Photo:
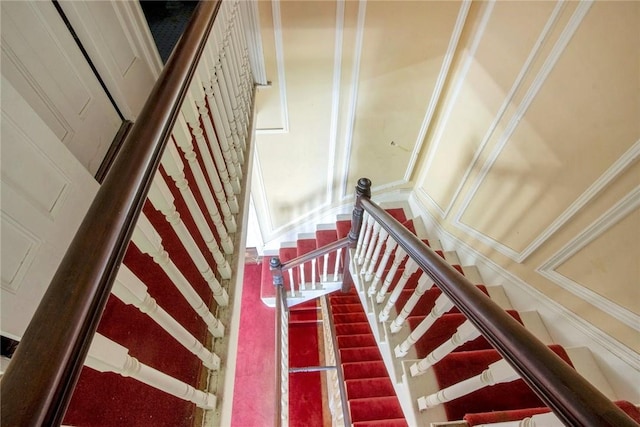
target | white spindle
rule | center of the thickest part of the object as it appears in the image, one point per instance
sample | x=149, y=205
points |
x=410, y=269
x=371, y=264
x=313, y=273
x=325, y=267
x=366, y=240
x=373, y=243
x=174, y=167
x=397, y=260
x=548, y=419
x=162, y=199
x=107, y=356
x=131, y=291
x=336, y=267
x=441, y=306
x=293, y=283
x=498, y=372
x=363, y=230
x=303, y=280
x=148, y=241
x=424, y=283
x=465, y=333
x=391, y=246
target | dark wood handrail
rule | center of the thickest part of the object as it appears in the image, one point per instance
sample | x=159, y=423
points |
x=572, y=398
x=316, y=253
x=40, y=379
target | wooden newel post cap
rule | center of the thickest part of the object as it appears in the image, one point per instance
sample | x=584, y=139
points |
x=276, y=271
x=363, y=189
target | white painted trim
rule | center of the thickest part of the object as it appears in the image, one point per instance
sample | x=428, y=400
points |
x=620, y=363
x=442, y=77
x=251, y=19
x=132, y=13
x=508, y=100
x=353, y=100
x=545, y=70
x=335, y=98
x=440, y=126
x=282, y=82
x=625, y=206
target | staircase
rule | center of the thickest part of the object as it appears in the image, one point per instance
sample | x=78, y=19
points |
x=408, y=356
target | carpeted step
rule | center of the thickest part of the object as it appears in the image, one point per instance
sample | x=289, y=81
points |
x=369, y=387
x=375, y=408
x=349, y=318
x=353, y=328
x=323, y=238
x=342, y=228
x=369, y=369
x=303, y=246
x=351, y=341
x=360, y=354
x=426, y=301
x=286, y=254
x=460, y=366
x=444, y=328
x=396, y=422
x=506, y=416
x=344, y=299
x=346, y=308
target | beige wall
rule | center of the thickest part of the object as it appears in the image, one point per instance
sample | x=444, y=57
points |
x=516, y=123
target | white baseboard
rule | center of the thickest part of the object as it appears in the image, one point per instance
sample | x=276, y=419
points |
x=619, y=363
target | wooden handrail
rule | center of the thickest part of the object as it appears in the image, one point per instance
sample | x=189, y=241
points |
x=316, y=253
x=40, y=379
x=572, y=398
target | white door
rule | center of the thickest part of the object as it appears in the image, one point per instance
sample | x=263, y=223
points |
x=45, y=194
x=43, y=63
x=117, y=38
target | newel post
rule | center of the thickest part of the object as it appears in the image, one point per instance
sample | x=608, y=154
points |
x=363, y=190
x=281, y=345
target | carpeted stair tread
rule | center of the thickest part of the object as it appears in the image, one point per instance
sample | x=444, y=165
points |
x=369, y=387
x=349, y=318
x=347, y=308
x=361, y=340
x=444, y=328
x=267, y=290
x=360, y=354
x=396, y=422
x=375, y=408
x=304, y=246
x=398, y=214
x=353, y=328
x=368, y=369
x=346, y=299
x=287, y=254
x=323, y=238
x=520, y=414
x=426, y=301
x=343, y=227
x=460, y=366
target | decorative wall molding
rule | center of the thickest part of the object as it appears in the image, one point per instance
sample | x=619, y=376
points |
x=335, y=97
x=619, y=362
x=251, y=27
x=353, y=99
x=441, y=125
x=563, y=40
x=442, y=77
x=549, y=25
x=625, y=206
x=282, y=82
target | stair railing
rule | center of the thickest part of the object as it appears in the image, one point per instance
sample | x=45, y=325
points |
x=572, y=398
x=206, y=82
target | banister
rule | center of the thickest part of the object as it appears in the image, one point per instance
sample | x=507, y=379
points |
x=572, y=398
x=316, y=253
x=38, y=384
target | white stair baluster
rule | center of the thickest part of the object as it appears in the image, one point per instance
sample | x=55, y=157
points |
x=548, y=419
x=108, y=356
x=336, y=268
x=391, y=246
x=371, y=265
x=409, y=270
x=292, y=282
x=366, y=240
x=363, y=227
x=465, y=333
x=303, y=280
x=162, y=199
x=131, y=291
x=174, y=167
x=373, y=243
x=498, y=372
x=313, y=273
x=442, y=305
x=397, y=260
x=148, y=241
x=424, y=283
x=325, y=267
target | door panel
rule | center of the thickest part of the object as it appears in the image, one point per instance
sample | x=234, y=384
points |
x=45, y=194
x=44, y=64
